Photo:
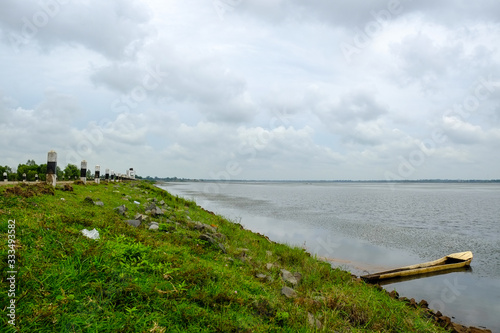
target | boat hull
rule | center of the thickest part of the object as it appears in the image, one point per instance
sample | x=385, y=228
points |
x=449, y=262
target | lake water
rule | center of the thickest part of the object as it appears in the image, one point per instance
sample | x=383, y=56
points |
x=369, y=227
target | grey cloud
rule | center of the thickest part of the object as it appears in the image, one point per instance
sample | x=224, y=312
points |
x=358, y=13
x=351, y=108
x=112, y=28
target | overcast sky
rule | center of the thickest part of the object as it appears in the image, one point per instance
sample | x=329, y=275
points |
x=254, y=89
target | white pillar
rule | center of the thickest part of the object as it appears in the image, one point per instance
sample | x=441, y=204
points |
x=83, y=172
x=97, y=178
x=51, y=168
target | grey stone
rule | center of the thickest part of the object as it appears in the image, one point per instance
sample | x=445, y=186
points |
x=153, y=226
x=162, y=203
x=212, y=241
x=151, y=207
x=313, y=321
x=204, y=227
x=261, y=276
x=269, y=253
x=88, y=200
x=99, y=203
x=134, y=223
x=288, y=277
x=269, y=266
x=158, y=211
x=121, y=209
x=141, y=217
x=288, y=292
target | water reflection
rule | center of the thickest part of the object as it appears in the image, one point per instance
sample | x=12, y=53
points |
x=399, y=232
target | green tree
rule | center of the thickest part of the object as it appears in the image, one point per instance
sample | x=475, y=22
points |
x=30, y=169
x=71, y=171
x=59, y=172
x=5, y=169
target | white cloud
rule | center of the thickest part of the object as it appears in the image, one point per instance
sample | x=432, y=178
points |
x=181, y=88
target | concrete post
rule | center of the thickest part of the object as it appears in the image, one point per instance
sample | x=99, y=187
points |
x=24, y=178
x=36, y=178
x=107, y=174
x=112, y=176
x=97, y=178
x=51, y=168
x=83, y=172
x=5, y=177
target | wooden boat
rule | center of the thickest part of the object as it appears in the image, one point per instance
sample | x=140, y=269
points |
x=449, y=262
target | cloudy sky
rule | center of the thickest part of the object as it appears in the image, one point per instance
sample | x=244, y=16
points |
x=254, y=89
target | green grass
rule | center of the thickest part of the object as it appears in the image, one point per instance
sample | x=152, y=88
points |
x=139, y=280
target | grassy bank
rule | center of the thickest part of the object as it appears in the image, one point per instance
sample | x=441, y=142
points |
x=197, y=273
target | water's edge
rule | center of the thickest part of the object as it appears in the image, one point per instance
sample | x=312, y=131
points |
x=468, y=298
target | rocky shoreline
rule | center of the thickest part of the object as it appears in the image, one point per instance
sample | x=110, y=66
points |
x=438, y=317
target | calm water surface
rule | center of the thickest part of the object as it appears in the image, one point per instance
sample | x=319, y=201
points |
x=368, y=227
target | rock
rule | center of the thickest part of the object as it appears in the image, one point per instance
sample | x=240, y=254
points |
x=269, y=266
x=141, y=217
x=88, y=200
x=423, y=304
x=444, y=321
x=162, y=203
x=134, y=223
x=288, y=292
x=478, y=330
x=204, y=227
x=212, y=241
x=151, y=207
x=261, y=276
x=121, y=209
x=269, y=253
x=99, y=203
x=457, y=328
x=157, y=211
x=154, y=226
x=289, y=277
x=394, y=294
x=313, y=321
x=413, y=303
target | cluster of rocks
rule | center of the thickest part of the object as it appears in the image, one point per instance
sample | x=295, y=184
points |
x=151, y=209
x=442, y=320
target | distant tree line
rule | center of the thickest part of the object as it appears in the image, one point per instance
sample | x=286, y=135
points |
x=31, y=169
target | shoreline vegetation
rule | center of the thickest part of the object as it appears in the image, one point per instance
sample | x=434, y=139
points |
x=164, y=264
